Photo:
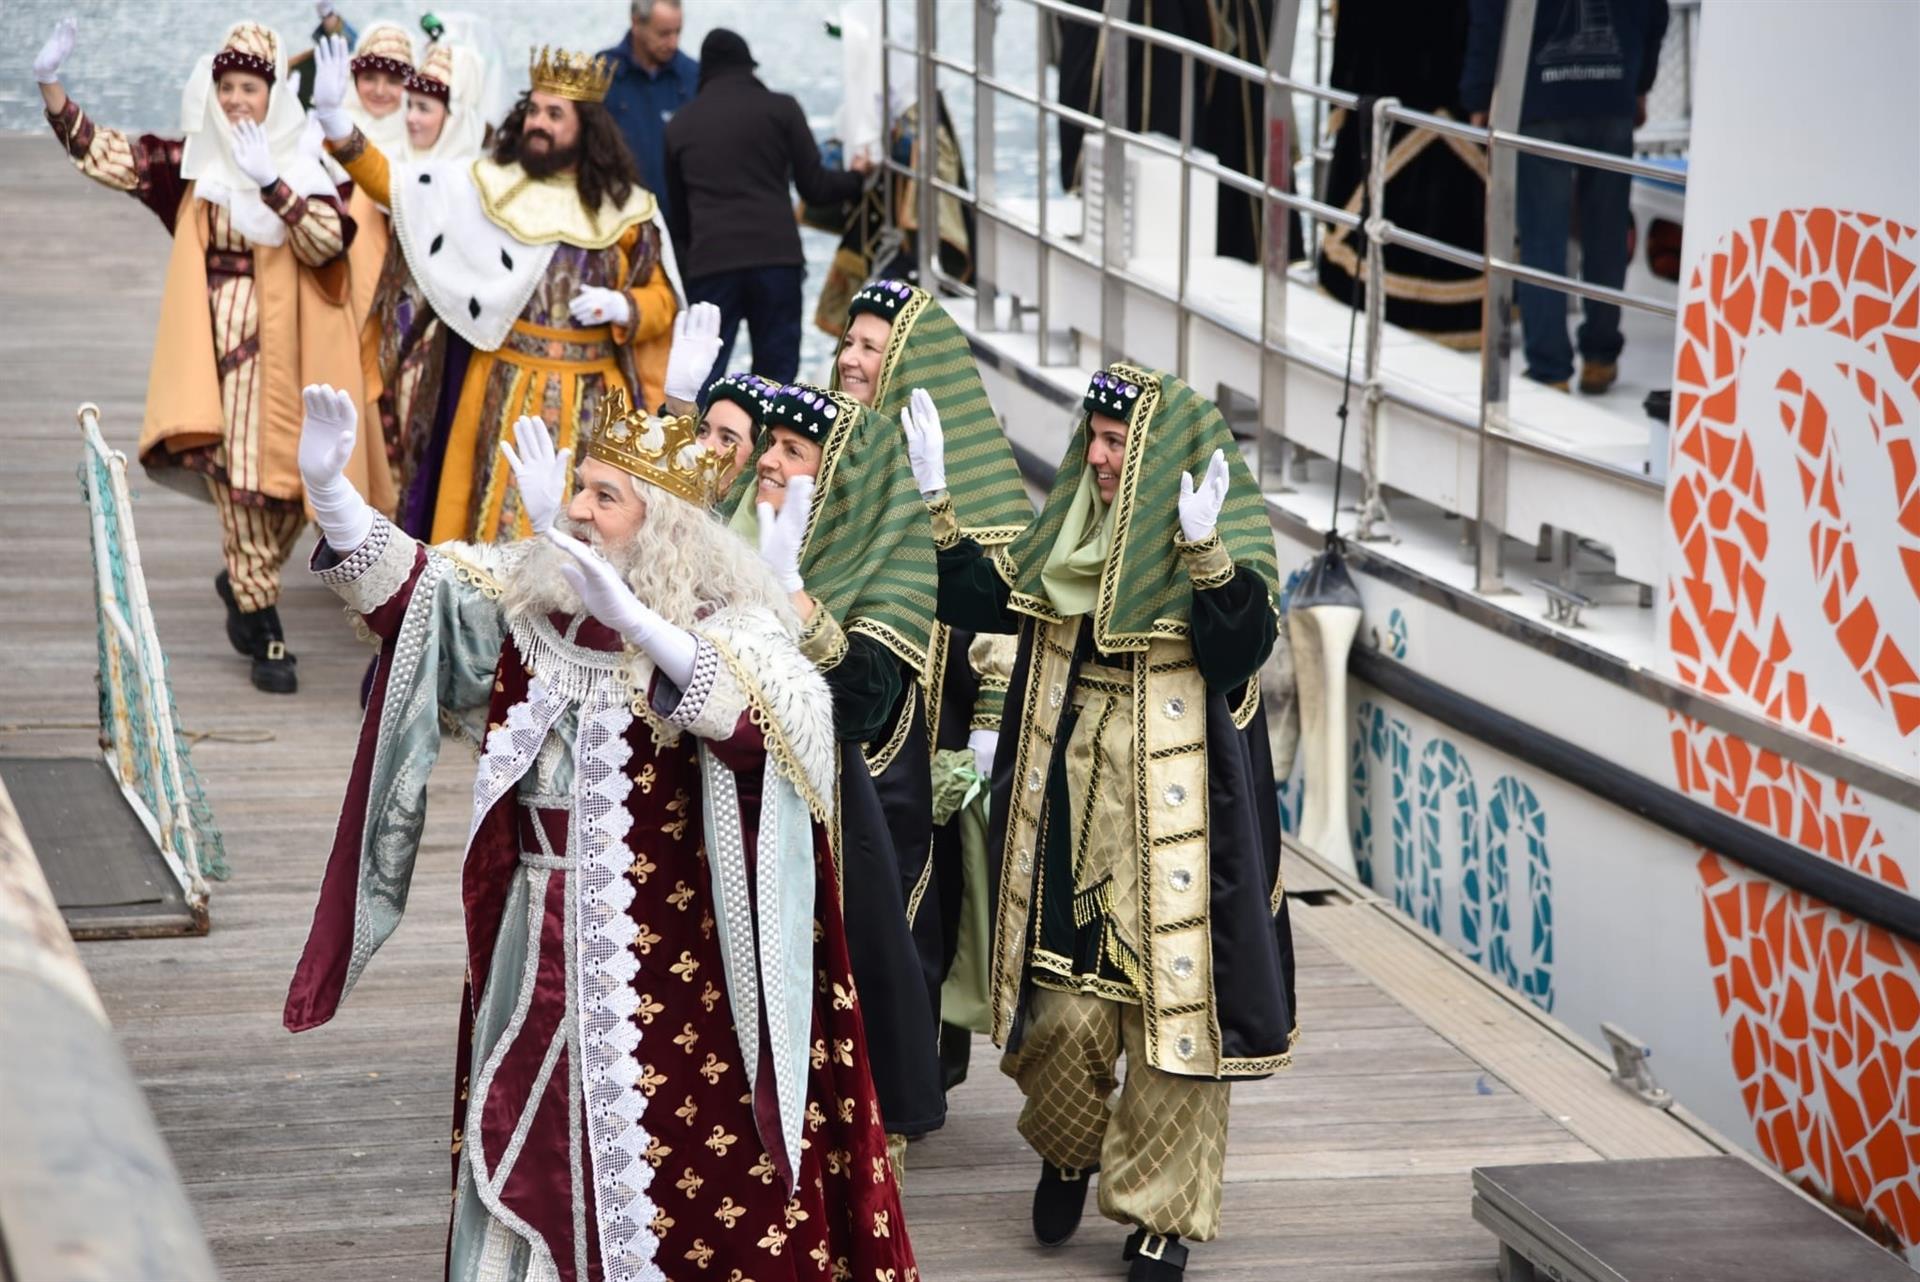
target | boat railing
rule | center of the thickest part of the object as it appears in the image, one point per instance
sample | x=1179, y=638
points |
x=1491, y=425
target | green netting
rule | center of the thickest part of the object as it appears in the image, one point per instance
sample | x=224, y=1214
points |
x=142, y=739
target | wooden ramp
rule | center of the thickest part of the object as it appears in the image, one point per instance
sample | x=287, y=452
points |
x=325, y=1156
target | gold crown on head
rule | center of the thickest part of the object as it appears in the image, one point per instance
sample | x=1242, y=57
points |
x=660, y=451
x=579, y=76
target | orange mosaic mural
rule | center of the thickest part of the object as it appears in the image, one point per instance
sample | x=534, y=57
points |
x=1794, y=501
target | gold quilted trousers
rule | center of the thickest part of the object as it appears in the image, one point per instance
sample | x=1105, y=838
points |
x=1161, y=1144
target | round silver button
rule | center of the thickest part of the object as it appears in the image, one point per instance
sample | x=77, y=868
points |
x=1184, y=1047
x=1175, y=708
x=1056, y=694
x=1175, y=794
x=1180, y=879
x=1033, y=779
x=1182, y=966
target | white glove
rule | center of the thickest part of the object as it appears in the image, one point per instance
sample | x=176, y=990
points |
x=926, y=444
x=985, y=743
x=696, y=345
x=609, y=599
x=783, y=534
x=332, y=65
x=596, y=306
x=46, y=64
x=540, y=473
x=252, y=155
x=326, y=443
x=1200, y=505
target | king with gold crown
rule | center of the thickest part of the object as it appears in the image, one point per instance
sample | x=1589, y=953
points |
x=662, y=1070
x=548, y=263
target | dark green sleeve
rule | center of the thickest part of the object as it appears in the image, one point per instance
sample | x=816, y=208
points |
x=1233, y=630
x=973, y=596
x=866, y=686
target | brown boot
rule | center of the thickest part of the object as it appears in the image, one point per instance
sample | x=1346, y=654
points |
x=1597, y=376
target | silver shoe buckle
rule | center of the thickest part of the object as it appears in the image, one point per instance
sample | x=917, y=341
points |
x=1153, y=1246
x=276, y=651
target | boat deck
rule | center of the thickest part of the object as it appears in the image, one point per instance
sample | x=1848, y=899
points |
x=325, y=1155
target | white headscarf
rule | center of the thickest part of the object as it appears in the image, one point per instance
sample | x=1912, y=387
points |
x=207, y=158
x=465, y=128
x=388, y=132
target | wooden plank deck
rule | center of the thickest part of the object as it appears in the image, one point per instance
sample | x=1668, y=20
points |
x=324, y=1155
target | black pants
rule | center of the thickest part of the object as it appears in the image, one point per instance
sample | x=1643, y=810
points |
x=768, y=300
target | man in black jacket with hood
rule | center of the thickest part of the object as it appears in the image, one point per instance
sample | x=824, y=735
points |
x=732, y=153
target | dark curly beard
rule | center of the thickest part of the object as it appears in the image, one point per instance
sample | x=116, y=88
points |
x=549, y=161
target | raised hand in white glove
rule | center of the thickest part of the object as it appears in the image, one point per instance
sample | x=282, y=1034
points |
x=332, y=65
x=985, y=743
x=326, y=444
x=696, y=345
x=540, y=473
x=608, y=599
x=926, y=443
x=252, y=156
x=594, y=305
x=1200, y=505
x=783, y=534
x=46, y=64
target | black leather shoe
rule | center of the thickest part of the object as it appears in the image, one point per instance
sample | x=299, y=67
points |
x=1157, y=1257
x=1058, y=1201
x=272, y=663
x=239, y=636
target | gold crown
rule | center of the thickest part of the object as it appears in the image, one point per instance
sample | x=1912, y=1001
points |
x=581, y=77
x=660, y=451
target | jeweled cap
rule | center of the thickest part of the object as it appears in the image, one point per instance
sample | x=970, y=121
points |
x=434, y=79
x=809, y=410
x=660, y=451
x=386, y=47
x=750, y=392
x=1111, y=395
x=883, y=298
x=250, y=47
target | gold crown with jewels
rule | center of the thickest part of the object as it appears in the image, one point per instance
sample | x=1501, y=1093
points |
x=660, y=451
x=579, y=76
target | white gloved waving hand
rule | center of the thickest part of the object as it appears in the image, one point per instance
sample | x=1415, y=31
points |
x=926, y=443
x=594, y=305
x=332, y=65
x=696, y=345
x=46, y=63
x=252, y=155
x=608, y=598
x=539, y=472
x=1200, y=505
x=783, y=534
x=326, y=446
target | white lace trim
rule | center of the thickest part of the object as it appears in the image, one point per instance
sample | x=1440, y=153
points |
x=605, y=992
x=573, y=671
x=511, y=748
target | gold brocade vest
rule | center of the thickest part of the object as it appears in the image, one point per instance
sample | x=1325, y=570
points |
x=1169, y=795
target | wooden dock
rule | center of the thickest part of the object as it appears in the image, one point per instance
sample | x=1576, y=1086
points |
x=324, y=1156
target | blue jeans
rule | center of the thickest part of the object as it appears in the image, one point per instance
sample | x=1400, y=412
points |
x=768, y=300
x=1550, y=194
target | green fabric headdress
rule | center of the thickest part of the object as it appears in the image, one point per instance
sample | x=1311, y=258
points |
x=1144, y=590
x=869, y=554
x=926, y=349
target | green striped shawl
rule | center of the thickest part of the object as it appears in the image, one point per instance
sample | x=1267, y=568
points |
x=926, y=349
x=869, y=554
x=1144, y=590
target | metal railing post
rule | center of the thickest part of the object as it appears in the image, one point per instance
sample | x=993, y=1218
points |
x=1270, y=467
x=1182, y=334
x=1373, y=508
x=927, y=140
x=985, y=253
x=1113, y=184
x=1043, y=255
x=1496, y=322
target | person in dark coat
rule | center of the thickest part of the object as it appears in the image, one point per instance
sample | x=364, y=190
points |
x=732, y=155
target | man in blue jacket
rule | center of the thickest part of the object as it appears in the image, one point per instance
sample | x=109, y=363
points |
x=1591, y=65
x=652, y=79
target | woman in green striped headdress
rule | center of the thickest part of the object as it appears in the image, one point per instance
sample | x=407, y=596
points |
x=829, y=496
x=901, y=346
x=1135, y=838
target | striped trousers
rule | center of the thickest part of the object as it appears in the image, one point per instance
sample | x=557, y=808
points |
x=255, y=543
